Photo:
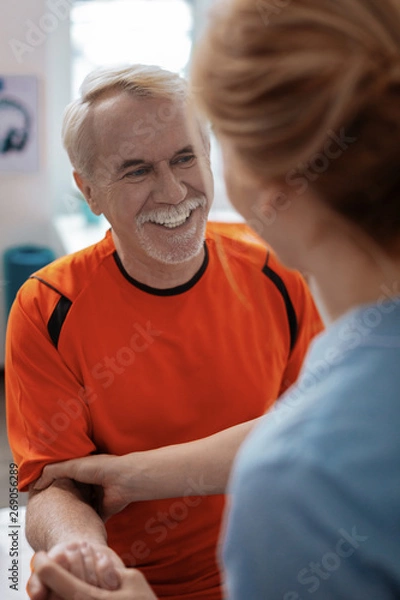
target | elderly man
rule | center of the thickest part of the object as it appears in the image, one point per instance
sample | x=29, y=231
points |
x=167, y=331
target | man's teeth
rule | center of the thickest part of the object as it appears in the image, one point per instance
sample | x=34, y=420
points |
x=171, y=222
x=174, y=224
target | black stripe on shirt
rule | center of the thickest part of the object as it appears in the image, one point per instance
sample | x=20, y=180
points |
x=278, y=282
x=58, y=315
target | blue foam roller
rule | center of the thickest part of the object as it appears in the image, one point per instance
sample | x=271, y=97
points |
x=19, y=264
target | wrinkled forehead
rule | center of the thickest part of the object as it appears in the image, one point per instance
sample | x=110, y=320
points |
x=148, y=128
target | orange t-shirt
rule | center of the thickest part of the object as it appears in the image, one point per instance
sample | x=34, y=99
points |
x=97, y=362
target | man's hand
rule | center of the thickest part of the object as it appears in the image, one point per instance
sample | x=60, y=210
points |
x=103, y=470
x=93, y=563
x=66, y=586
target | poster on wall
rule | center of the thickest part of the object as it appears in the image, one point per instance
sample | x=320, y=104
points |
x=18, y=124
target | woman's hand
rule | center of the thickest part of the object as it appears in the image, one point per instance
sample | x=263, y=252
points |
x=66, y=586
x=101, y=469
x=165, y=472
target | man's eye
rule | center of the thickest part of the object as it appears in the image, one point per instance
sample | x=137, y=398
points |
x=137, y=173
x=185, y=160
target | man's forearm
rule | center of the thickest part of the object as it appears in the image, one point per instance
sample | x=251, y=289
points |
x=61, y=522
x=60, y=514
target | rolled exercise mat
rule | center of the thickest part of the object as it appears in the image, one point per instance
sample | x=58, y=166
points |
x=19, y=263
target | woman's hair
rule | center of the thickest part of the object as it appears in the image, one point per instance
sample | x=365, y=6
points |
x=308, y=93
x=138, y=80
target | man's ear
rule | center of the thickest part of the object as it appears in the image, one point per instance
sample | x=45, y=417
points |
x=86, y=188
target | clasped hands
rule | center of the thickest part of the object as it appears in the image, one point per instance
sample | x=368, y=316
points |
x=63, y=585
x=83, y=569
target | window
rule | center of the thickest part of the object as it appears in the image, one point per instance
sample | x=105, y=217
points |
x=106, y=32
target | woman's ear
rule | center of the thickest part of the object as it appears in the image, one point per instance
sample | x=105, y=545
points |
x=87, y=190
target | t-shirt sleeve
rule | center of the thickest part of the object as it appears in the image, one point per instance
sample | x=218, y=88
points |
x=309, y=324
x=48, y=416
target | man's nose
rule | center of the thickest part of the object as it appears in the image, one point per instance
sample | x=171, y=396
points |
x=170, y=189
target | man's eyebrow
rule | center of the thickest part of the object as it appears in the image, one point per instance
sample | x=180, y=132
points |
x=130, y=162
x=135, y=162
x=185, y=150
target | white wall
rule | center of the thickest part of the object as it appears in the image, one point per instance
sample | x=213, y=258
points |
x=222, y=208
x=27, y=201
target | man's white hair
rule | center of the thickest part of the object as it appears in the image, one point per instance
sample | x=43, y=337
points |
x=138, y=80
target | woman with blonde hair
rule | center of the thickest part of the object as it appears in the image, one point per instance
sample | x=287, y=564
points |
x=304, y=96
x=305, y=99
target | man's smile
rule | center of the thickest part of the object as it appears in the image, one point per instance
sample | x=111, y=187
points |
x=174, y=216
